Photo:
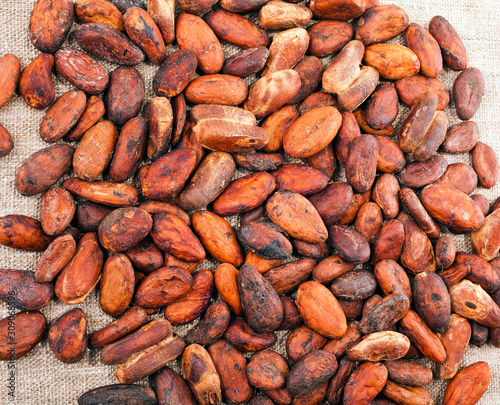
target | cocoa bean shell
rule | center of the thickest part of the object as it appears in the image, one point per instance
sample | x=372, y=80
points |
x=129, y=150
x=92, y=113
x=328, y=37
x=216, y=89
x=384, y=314
x=226, y=129
x=82, y=273
x=195, y=34
x=420, y=41
x=406, y=394
x=261, y=304
x=132, y=319
x=168, y=174
x=332, y=202
x=277, y=15
x=365, y=383
x=35, y=84
x=184, y=63
x=213, y=325
x=389, y=242
x=125, y=95
x=308, y=373
x=354, y=285
x=236, y=29
x=99, y=11
x=55, y=258
x=50, y=23
x=291, y=315
x=57, y=209
x=117, y=48
x=162, y=287
x=147, y=336
x=10, y=72
x=150, y=360
x=380, y=23
x=301, y=341
x=472, y=381
x=337, y=383
x=297, y=216
x=19, y=289
x=422, y=337
x=194, y=303
x=468, y=90
x=258, y=162
x=230, y=365
x=285, y=278
x=95, y=151
x=43, y=168
x=416, y=241
x=30, y=327
x=226, y=282
x=438, y=200
x=390, y=156
x=461, y=138
x=334, y=10
x=392, y=61
x=262, y=374
x=117, y=285
x=361, y=163
x=460, y=176
x=411, y=90
x=199, y=371
x=68, y=336
x=245, y=339
x=246, y=62
x=265, y=241
x=312, y=300
x=392, y=278
x=320, y=126
x=123, y=228
x=142, y=29
x=22, y=232
x=350, y=244
x=455, y=341
x=6, y=141
x=170, y=388
x=377, y=346
x=330, y=268
x=245, y=193
x=485, y=163
x=481, y=272
x=119, y=393
x=318, y=99
x=272, y=92
x=432, y=301
x=452, y=47
x=81, y=70
x=420, y=174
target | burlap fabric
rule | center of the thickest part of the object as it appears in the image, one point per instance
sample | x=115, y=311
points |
x=40, y=379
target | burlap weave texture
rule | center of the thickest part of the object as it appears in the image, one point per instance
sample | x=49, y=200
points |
x=40, y=378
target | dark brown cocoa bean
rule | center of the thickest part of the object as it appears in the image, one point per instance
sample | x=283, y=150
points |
x=260, y=302
x=350, y=244
x=117, y=48
x=212, y=326
x=125, y=95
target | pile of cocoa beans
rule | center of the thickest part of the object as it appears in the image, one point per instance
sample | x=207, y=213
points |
x=357, y=272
